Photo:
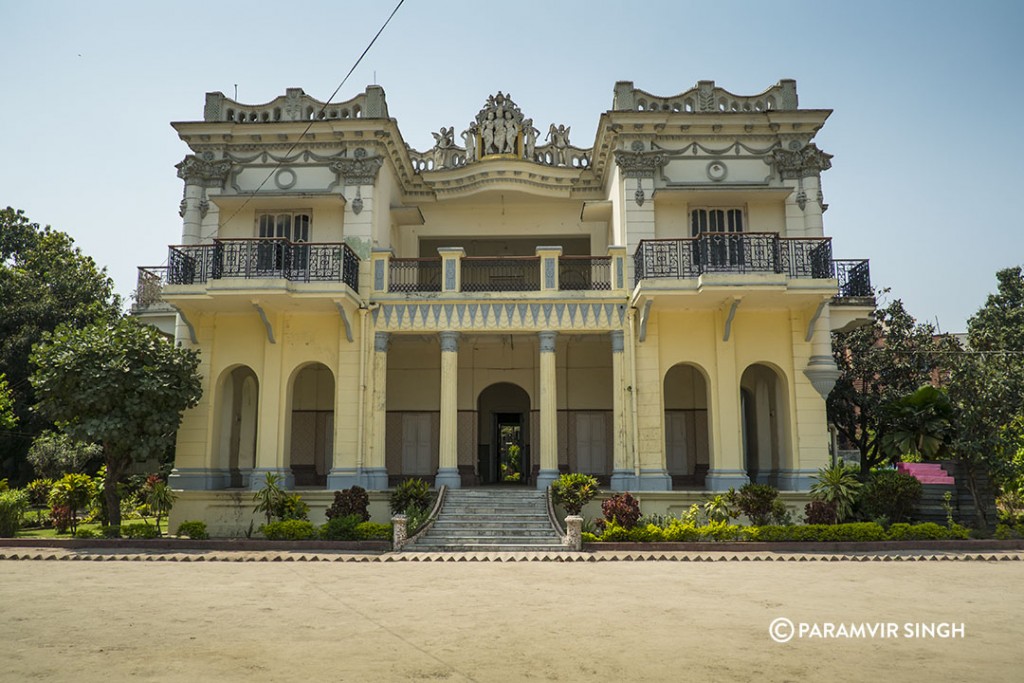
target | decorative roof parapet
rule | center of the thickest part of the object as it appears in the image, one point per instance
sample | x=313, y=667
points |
x=500, y=130
x=296, y=105
x=203, y=172
x=705, y=97
x=802, y=163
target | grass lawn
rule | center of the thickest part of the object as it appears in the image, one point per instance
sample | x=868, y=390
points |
x=49, y=532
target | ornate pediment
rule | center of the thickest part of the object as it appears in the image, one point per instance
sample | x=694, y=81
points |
x=501, y=130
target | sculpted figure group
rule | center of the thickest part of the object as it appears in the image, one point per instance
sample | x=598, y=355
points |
x=500, y=128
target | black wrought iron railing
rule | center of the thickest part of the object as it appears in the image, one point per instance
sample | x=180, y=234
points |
x=414, y=274
x=797, y=257
x=500, y=274
x=854, y=278
x=585, y=273
x=734, y=253
x=263, y=258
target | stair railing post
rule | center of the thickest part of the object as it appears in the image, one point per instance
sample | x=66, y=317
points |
x=399, y=532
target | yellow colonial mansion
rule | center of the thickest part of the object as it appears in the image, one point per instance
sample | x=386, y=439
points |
x=653, y=308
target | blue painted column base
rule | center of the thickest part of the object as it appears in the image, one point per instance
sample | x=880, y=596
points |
x=795, y=480
x=723, y=480
x=545, y=477
x=623, y=480
x=448, y=476
x=198, y=479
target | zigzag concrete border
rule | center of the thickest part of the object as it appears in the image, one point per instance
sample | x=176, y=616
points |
x=75, y=555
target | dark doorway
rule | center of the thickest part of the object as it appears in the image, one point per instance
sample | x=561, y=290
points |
x=511, y=456
x=503, y=451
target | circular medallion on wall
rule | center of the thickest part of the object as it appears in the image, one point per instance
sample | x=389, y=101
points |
x=285, y=179
x=717, y=171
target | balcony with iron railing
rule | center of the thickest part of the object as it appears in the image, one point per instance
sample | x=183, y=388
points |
x=149, y=287
x=263, y=259
x=751, y=253
x=453, y=272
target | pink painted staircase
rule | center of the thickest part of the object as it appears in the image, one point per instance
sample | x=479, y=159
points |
x=926, y=472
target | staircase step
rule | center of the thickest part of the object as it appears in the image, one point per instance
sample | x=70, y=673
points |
x=491, y=520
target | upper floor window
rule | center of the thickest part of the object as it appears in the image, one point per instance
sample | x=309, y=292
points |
x=715, y=220
x=290, y=225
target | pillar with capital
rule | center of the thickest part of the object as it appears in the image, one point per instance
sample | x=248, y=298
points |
x=623, y=473
x=374, y=476
x=199, y=173
x=548, y=411
x=448, y=465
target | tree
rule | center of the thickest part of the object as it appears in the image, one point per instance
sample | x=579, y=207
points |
x=45, y=281
x=53, y=455
x=918, y=424
x=879, y=364
x=986, y=388
x=119, y=384
x=7, y=417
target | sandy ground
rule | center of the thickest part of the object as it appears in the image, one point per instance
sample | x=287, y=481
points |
x=635, y=621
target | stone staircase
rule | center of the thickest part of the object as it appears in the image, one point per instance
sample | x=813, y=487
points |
x=926, y=472
x=491, y=520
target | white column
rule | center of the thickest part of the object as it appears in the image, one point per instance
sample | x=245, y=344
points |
x=192, y=215
x=448, y=466
x=622, y=472
x=548, y=411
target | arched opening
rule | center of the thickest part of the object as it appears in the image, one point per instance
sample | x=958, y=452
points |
x=503, y=448
x=238, y=402
x=687, y=442
x=764, y=420
x=312, y=425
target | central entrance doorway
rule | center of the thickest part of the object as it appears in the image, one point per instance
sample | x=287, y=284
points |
x=503, y=454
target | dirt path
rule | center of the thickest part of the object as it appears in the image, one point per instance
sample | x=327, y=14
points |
x=639, y=621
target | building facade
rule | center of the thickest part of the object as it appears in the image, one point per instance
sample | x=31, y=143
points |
x=653, y=309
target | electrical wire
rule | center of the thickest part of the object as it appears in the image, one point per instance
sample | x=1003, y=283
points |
x=316, y=118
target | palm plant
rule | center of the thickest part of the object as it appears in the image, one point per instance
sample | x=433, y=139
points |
x=837, y=484
x=268, y=498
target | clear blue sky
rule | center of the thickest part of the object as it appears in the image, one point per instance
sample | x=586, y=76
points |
x=927, y=133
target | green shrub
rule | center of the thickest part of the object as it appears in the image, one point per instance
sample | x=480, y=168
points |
x=341, y=528
x=73, y=492
x=291, y=507
x=890, y=494
x=614, y=532
x=758, y=503
x=39, y=491
x=85, y=533
x=13, y=504
x=573, y=491
x=901, y=531
x=589, y=537
x=140, y=531
x=110, y=531
x=818, y=533
x=837, y=484
x=718, y=508
x=193, y=529
x=408, y=495
x=289, y=530
x=646, y=534
x=372, y=531
x=1005, y=532
x=623, y=509
x=679, y=530
x=720, y=531
x=351, y=501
